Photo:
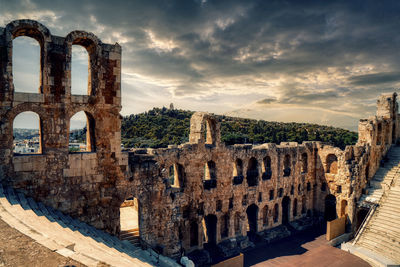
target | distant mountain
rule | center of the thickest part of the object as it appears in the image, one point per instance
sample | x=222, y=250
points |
x=161, y=127
x=21, y=134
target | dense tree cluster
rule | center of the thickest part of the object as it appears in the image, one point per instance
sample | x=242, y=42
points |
x=161, y=127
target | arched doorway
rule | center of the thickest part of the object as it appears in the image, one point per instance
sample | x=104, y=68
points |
x=330, y=208
x=129, y=220
x=252, y=212
x=361, y=215
x=194, y=234
x=285, y=209
x=211, y=229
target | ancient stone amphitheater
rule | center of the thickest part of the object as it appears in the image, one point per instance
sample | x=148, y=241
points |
x=187, y=198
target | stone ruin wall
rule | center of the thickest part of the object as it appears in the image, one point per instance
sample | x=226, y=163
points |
x=80, y=184
x=169, y=222
x=92, y=186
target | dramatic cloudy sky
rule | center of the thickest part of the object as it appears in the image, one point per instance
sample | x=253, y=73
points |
x=306, y=61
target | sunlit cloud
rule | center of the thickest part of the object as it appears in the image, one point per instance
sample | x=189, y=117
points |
x=322, y=62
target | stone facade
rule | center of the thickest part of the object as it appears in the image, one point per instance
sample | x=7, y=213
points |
x=201, y=191
x=79, y=184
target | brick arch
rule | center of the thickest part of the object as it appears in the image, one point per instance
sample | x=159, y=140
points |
x=23, y=107
x=32, y=29
x=29, y=28
x=92, y=44
x=86, y=39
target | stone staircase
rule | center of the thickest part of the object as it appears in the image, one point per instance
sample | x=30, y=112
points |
x=131, y=236
x=70, y=237
x=379, y=236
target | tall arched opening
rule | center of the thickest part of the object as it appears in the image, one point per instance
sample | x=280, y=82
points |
x=252, y=217
x=80, y=71
x=331, y=164
x=27, y=74
x=129, y=220
x=330, y=208
x=285, y=210
x=252, y=172
x=82, y=133
x=27, y=133
x=211, y=229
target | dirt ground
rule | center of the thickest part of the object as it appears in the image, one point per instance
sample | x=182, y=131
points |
x=17, y=249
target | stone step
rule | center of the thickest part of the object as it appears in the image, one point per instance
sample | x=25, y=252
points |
x=384, y=230
x=378, y=248
x=383, y=216
x=105, y=254
x=389, y=207
x=384, y=237
x=389, y=249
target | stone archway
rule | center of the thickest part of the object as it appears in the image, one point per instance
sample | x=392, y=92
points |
x=330, y=208
x=285, y=210
x=211, y=229
x=252, y=217
x=130, y=221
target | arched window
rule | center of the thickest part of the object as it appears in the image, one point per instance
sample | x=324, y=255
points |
x=303, y=205
x=224, y=224
x=379, y=134
x=27, y=133
x=238, y=168
x=286, y=166
x=210, y=175
x=238, y=172
x=82, y=135
x=276, y=213
x=209, y=131
x=26, y=65
x=176, y=175
x=266, y=168
x=331, y=164
x=238, y=229
x=265, y=215
x=304, y=163
x=80, y=71
x=252, y=172
x=209, y=171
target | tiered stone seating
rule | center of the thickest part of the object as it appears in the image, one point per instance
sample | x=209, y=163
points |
x=70, y=237
x=381, y=233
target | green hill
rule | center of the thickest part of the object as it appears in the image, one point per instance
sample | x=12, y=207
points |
x=161, y=127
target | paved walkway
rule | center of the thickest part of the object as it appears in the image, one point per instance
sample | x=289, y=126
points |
x=306, y=249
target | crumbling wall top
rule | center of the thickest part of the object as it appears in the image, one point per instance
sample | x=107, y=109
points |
x=204, y=128
x=387, y=106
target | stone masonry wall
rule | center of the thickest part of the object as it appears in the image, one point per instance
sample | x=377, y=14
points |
x=80, y=184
